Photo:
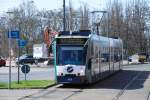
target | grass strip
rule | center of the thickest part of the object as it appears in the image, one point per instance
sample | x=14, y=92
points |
x=28, y=84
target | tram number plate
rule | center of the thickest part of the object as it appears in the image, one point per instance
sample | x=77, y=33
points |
x=69, y=79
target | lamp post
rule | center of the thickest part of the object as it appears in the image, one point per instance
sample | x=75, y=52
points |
x=64, y=19
x=99, y=23
x=19, y=54
x=9, y=41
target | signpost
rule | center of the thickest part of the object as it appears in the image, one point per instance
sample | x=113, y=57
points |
x=21, y=44
x=11, y=35
x=25, y=69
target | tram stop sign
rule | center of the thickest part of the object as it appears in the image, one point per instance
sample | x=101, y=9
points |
x=25, y=69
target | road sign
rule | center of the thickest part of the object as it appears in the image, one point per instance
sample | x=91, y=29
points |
x=13, y=34
x=25, y=69
x=22, y=43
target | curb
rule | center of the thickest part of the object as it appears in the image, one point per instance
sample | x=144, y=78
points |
x=50, y=86
x=135, y=64
x=30, y=88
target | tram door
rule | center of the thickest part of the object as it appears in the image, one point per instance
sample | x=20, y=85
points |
x=104, y=61
x=95, y=61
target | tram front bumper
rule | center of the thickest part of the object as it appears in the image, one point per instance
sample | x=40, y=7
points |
x=70, y=79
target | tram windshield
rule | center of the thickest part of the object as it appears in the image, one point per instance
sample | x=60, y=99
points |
x=71, y=55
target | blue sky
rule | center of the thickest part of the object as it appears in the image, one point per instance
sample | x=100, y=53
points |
x=51, y=4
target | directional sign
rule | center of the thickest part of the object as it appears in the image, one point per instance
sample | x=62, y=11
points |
x=13, y=34
x=22, y=43
x=25, y=69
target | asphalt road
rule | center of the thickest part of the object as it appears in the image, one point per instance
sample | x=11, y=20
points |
x=132, y=83
x=36, y=73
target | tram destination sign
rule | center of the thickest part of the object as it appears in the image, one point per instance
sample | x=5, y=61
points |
x=71, y=41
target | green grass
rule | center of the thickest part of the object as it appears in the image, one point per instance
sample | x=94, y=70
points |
x=31, y=84
x=3, y=85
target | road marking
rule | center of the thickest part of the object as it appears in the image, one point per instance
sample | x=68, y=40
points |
x=123, y=90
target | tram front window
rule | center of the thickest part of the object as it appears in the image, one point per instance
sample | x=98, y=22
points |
x=71, y=55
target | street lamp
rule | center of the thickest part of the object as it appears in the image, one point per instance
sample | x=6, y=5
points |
x=64, y=19
x=9, y=41
x=98, y=23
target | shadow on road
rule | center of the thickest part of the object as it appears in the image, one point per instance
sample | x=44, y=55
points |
x=134, y=80
x=117, y=81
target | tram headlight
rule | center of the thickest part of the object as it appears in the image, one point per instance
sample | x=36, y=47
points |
x=60, y=74
x=82, y=72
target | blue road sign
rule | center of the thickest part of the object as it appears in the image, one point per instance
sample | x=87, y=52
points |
x=25, y=69
x=13, y=34
x=22, y=43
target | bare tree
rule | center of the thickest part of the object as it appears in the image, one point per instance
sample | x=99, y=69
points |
x=24, y=19
x=128, y=24
x=84, y=21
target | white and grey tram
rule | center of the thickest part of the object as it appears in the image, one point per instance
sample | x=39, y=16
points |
x=83, y=57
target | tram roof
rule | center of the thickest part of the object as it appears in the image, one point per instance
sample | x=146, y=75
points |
x=105, y=41
x=70, y=36
x=75, y=33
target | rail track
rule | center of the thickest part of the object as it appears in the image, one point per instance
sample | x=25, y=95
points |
x=118, y=84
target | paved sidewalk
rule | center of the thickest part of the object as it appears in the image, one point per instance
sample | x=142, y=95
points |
x=6, y=94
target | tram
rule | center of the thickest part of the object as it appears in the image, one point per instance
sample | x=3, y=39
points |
x=84, y=57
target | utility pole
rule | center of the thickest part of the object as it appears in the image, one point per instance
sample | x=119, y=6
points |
x=64, y=19
x=19, y=54
x=9, y=43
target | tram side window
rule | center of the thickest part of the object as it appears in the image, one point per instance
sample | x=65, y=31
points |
x=117, y=55
x=104, y=55
x=96, y=52
x=120, y=54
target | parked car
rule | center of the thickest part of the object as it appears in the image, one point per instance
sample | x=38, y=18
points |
x=134, y=58
x=2, y=62
x=26, y=59
x=143, y=57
